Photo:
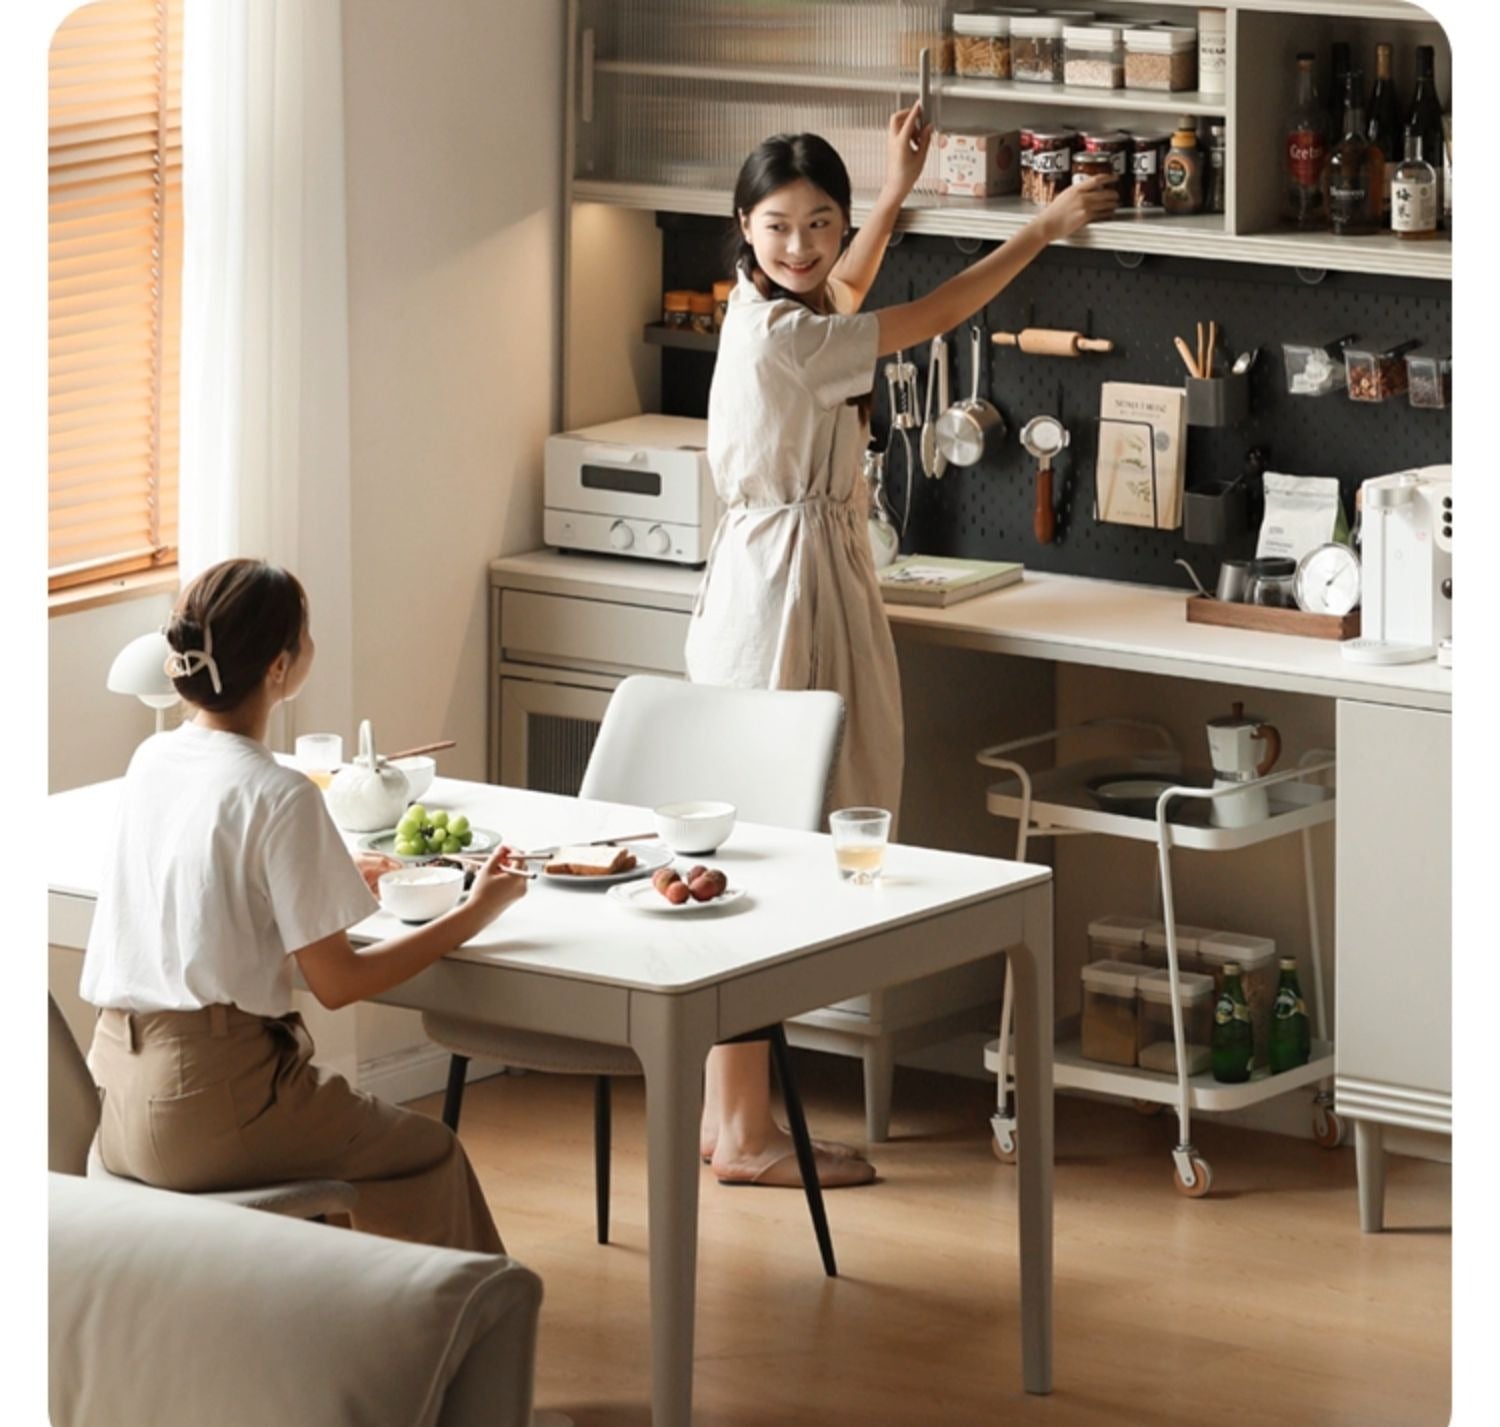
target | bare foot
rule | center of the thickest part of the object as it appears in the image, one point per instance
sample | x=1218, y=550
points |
x=775, y=1164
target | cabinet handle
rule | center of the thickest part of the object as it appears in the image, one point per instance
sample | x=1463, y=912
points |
x=586, y=95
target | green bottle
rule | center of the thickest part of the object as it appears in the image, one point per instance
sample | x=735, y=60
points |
x=1291, y=1036
x=1233, y=1046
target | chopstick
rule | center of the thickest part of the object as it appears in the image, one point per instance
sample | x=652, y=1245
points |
x=1202, y=370
x=1213, y=338
x=1185, y=352
x=598, y=842
x=420, y=749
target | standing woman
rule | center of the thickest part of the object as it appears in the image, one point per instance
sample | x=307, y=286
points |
x=226, y=867
x=790, y=599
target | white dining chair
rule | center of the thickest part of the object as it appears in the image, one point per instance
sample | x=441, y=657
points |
x=73, y=1121
x=771, y=754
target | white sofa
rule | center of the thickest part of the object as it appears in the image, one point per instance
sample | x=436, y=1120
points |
x=172, y=1311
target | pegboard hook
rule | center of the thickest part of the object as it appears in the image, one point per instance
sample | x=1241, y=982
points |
x=1129, y=261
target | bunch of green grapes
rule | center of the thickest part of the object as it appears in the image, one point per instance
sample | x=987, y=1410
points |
x=423, y=834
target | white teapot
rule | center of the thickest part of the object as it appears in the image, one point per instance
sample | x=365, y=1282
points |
x=368, y=794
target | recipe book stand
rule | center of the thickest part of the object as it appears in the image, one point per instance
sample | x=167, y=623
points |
x=1057, y=803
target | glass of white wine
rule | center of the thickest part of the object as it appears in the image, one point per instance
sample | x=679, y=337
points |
x=859, y=842
x=319, y=755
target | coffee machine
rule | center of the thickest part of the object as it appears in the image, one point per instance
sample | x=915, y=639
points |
x=1406, y=574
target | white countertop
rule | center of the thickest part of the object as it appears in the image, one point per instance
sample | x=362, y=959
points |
x=1067, y=618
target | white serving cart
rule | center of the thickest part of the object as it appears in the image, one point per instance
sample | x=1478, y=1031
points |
x=1057, y=802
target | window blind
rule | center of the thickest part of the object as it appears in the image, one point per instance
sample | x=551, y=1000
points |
x=114, y=289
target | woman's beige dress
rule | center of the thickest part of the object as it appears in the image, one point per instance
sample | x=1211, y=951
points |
x=790, y=598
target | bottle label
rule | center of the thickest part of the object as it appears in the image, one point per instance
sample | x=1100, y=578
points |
x=1177, y=172
x=1227, y=1011
x=1306, y=153
x=1051, y=160
x=1289, y=1005
x=1413, y=205
x=1144, y=162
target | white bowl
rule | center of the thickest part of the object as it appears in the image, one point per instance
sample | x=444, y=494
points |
x=418, y=894
x=420, y=771
x=694, y=829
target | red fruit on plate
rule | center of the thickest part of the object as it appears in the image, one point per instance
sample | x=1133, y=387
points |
x=677, y=892
x=704, y=888
x=694, y=873
x=663, y=878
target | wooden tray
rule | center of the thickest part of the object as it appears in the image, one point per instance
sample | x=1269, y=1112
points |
x=1273, y=621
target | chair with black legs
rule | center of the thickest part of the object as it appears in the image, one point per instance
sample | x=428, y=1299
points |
x=656, y=737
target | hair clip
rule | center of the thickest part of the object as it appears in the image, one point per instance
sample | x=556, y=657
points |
x=186, y=663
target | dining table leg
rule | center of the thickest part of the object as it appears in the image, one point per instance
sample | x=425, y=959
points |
x=1032, y=964
x=672, y=1036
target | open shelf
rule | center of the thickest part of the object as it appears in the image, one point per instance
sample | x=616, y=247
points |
x=1070, y=1071
x=1072, y=96
x=660, y=335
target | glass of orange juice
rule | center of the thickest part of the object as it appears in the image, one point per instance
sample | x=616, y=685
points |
x=319, y=755
x=859, y=842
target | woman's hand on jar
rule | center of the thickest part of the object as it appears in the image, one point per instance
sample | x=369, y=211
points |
x=907, y=139
x=1078, y=205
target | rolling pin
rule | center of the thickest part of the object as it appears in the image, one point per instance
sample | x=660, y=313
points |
x=1052, y=342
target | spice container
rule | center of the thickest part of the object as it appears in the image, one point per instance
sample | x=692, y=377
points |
x=1162, y=57
x=978, y=163
x=1147, y=152
x=1093, y=56
x=1256, y=958
x=1048, y=165
x=1273, y=581
x=1375, y=371
x=1114, y=142
x=1429, y=381
x=1182, y=170
x=701, y=312
x=676, y=309
x=1118, y=938
x=981, y=45
x=1213, y=51
x=1036, y=49
x=722, y=290
x=1154, y=1031
x=1109, y=1025
x=1095, y=165
x=1155, y=946
x=1314, y=371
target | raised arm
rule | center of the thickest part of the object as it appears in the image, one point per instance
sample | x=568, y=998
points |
x=945, y=307
x=856, y=271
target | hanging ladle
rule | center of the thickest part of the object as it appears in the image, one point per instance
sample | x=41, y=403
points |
x=1044, y=436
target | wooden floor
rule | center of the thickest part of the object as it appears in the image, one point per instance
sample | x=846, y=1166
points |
x=1261, y=1305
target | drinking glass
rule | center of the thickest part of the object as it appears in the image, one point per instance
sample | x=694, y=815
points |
x=859, y=839
x=319, y=755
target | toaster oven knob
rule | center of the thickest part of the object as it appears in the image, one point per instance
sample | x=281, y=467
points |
x=658, y=542
x=621, y=536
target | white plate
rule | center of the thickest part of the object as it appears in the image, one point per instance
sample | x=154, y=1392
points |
x=647, y=860
x=643, y=897
x=384, y=843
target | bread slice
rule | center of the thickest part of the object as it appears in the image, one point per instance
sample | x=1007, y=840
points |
x=590, y=861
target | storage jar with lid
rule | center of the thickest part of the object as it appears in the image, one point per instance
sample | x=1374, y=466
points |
x=1118, y=938
x=1429, y=380
x=701, y=312
x=1213, y=51
x=1147, y=153
x=1256, y=958
x=1047, y=165
x=1093, y=56
x=1109, y=1025
x=722, y=290
x=1272, y=583
x=1036, y=49
x=1114, y=142
x=1161, y=57
x=1155, y=946
x=1157, y=1039
x=677, y=309
x=981, y=45
x=1375, y=370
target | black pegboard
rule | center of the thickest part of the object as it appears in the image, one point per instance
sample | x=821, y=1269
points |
x=985, y=511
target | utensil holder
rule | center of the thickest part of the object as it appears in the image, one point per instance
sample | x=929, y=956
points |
x=1215, y=514
x=1218, y=401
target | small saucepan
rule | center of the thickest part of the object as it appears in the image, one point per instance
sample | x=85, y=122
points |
x=970, y=429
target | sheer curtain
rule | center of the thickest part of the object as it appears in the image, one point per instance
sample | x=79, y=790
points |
x=265, y=370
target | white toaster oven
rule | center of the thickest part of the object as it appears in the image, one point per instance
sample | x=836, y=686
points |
x=635, y=487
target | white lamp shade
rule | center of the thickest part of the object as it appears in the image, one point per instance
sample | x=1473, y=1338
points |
x=139, y=669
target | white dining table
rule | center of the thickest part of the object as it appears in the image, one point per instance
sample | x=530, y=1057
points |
x=571, y=961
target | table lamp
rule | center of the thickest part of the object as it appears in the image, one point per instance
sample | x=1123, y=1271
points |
x=139, y=669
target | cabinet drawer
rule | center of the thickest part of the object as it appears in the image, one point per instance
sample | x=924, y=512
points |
x=555, y=629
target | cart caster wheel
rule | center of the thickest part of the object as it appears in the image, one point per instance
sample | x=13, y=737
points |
x=1004, y=1148
x=1148, y=1108
x=1203, y=1179
x=1328, y=1129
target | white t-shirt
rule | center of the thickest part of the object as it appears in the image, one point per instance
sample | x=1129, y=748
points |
x=223, y=863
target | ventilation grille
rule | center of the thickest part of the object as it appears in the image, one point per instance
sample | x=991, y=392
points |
x=557, y=752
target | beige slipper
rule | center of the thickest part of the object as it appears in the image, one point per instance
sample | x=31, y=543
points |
x=835, y=1171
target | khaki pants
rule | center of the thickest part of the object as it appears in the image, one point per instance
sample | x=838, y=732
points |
x=221, y=1099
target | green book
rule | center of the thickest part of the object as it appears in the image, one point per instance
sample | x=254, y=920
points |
x=940, y=580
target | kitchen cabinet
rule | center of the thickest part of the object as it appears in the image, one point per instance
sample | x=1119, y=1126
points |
x=1394, y=924
x=667, y=96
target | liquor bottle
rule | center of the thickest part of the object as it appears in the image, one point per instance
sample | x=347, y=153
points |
x=1349, y=167
x=1426, y=115
x=1232, y=1047
x=1338, y=70
x=1307, y=152
x=1414, y=193
x=1384, y=133
x=1290, y=1044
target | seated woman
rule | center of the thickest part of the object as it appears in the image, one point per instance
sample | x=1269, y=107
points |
x=226, y=865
